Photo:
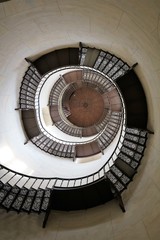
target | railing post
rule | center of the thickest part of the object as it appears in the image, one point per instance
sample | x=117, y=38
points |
x=27, y=140
x=74, y=157
x=120, y=201
x=80, y=45
x=28, y=61
x=32, y=64
x=150, y=132
x=133, y=66
x=48, y=211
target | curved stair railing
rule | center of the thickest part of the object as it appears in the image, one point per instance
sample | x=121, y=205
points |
x=88, y=77
x=105, y=62
x=20, y=192
x=28, y=88
x=53, y=145
x=56, y=59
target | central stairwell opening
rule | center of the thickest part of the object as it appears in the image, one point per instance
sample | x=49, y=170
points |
x=23, y=193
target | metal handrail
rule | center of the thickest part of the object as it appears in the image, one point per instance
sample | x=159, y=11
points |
x=44, y=79
x=101, y=172
x=64, y=179
x=80, y=179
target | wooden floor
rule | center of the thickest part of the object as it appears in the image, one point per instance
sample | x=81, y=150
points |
x=86, y=106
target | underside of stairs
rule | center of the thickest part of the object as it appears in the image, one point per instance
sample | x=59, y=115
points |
x=23, y=193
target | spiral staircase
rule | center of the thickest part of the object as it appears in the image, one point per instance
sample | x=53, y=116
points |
x=108, y=75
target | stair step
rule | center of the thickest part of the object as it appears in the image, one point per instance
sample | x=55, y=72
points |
x=28, y=88
x=105, y=61
x=27, y=205
x=46, y=198
x=9, y=199
x=30, y=123
x=122, y=177
x=90, y=57
x=123, y=166
x=116, y=68
x=83, y=55
x=115, y=182
x=5, y=190
x=36, y=206
x=58, y=58
x=17, y=204
x=99, y=59
x=110, y=66
x=128, y=160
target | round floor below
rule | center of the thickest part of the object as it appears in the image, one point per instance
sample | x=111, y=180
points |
x=86, y=107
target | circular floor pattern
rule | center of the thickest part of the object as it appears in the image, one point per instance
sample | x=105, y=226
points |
x=82, y=102
x=86, y=107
